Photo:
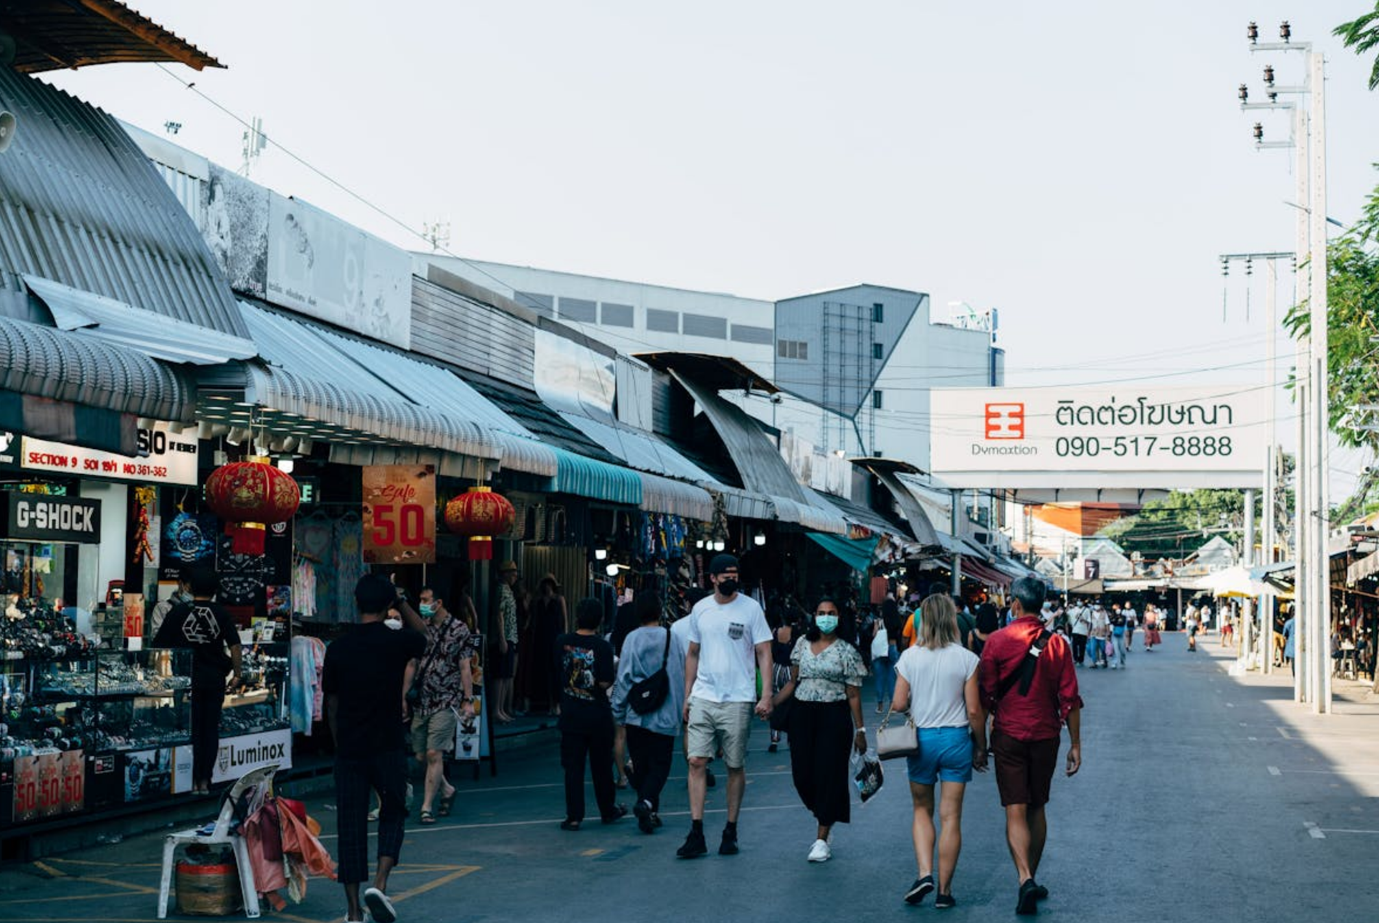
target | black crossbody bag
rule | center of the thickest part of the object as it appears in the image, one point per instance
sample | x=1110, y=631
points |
x=1024, y=673
x=647, y=695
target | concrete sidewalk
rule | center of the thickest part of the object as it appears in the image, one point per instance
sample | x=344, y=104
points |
x=1203, y=797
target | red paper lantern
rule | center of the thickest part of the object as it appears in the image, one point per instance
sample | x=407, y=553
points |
x=250, y=496
x=480, y=514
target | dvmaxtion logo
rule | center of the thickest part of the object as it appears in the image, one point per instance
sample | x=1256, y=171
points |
x=1005, y=421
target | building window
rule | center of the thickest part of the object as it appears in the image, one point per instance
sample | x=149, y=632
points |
x=792, y=349
x=541, y=304
x=762, y=336
x=703, y=325
x=878, y=313
x=578, y=310
x=878, y=350
x=876, y=400
x=616, y=315
x=662, y=321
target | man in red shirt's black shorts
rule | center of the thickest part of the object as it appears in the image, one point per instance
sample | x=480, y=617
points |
x=1028, y=681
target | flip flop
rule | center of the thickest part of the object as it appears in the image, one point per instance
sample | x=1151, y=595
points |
x=446, y=803
x=427, y=817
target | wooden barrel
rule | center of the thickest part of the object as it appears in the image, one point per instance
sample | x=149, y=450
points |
x=208, y=890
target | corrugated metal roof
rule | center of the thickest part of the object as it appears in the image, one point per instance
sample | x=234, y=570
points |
x=56, y=34
x=920, y=527
x=66, y=366
x=859, y=515
x=115, y=322
x=587, y=477
x=81, y=205
x=742, y=503
x=639, y=450
x=662, y=495
x=814, y=517
x=758, y=462
x=527, y=408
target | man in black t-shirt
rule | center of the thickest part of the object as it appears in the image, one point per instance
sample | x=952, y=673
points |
x=365, y=679
x=210, y=632
x=584, y=671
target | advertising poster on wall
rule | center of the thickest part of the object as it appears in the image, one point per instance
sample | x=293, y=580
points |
x=399, y=514
x=469, y=733
x=147, y=774
x=331, y=270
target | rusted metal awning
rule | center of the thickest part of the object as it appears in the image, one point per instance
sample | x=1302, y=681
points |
x=56, y=34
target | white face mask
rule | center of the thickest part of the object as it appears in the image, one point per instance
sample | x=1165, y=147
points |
x=394, y=624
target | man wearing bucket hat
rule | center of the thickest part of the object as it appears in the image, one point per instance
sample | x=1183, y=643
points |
x=729, y=641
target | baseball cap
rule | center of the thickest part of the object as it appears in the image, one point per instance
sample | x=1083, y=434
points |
x=722, y=562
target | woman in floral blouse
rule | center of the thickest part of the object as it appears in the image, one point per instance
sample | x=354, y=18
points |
x=826, y=676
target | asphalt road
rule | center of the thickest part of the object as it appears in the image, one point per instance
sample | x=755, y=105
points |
x=1202, y=797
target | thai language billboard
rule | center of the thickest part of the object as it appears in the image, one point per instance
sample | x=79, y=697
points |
x=1100, y=436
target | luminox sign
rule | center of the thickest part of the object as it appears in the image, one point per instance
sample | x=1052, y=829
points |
x=239, y=755
x=1088, y=437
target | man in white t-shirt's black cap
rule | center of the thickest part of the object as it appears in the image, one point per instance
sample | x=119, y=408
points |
x=729, y=641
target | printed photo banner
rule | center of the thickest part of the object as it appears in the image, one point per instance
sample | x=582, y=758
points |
x=400, y=514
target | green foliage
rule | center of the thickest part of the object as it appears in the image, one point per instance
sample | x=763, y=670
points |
x=1352, y=324
x=1180, y=523
x=1362, y=34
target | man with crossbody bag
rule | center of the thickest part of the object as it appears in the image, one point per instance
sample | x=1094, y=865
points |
x=1028, y=682
x=647, y=699
x=443, y=685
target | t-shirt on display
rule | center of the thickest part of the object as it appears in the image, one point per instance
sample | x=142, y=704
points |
x=936, y=679
x=727, y=636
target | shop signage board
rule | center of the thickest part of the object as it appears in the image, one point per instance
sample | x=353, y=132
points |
x=469, y=733
x=10, y=444
x=49, y=785
x=1099, y=436
x=239, y=755
x=50, y=518
x=400, y=514
x=171, y=458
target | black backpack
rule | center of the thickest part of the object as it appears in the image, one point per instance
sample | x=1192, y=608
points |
x=647, y=695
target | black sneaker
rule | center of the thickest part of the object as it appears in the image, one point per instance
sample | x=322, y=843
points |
x=1041, y=893
x=694, y=846
x=728, y=847
x=945, y=902
x=644, y=817
x=921, y=887
x=619, y=812
x=1027, y=904
x=656, y=820
x=709, y=780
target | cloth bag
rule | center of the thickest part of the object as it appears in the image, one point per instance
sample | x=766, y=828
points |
x=895, y=742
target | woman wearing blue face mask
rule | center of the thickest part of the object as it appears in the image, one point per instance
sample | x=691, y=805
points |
x=826, y=676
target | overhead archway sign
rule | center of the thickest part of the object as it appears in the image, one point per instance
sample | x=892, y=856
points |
x=1099, y=436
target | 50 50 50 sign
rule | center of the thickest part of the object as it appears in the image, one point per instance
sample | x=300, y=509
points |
x=400, y=514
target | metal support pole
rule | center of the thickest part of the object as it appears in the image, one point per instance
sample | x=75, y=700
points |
x=957, y=538
x=1270, y=530
x=1247, y=612
x=1302, y=547
x=1320, y=427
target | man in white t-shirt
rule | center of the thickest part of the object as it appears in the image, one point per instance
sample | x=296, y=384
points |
x=729, y=641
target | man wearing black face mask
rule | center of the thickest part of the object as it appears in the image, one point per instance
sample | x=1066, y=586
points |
x=729, y=641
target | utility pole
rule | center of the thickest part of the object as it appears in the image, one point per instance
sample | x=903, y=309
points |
x=1312, y=608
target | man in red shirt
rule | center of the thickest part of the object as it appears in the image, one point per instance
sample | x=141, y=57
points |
x=1028, y=681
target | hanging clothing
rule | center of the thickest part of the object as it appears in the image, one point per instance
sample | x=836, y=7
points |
x=304, y=587
x=349, y=565
x=304, y=692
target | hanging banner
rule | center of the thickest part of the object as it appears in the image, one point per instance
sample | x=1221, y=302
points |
x=399, y=514
x=1099, y=436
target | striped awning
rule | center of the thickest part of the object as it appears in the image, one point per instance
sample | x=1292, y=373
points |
x=586, y=477
x=663, y=495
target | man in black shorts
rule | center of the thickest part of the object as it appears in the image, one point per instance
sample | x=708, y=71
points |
x=1028, y=680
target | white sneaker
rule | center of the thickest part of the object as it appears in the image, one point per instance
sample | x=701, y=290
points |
x=820, y=851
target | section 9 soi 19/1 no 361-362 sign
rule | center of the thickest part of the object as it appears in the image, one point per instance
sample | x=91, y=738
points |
x=1205, y=436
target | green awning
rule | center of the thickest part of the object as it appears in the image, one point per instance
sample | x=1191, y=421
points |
x=588, y=477
x=854, y=552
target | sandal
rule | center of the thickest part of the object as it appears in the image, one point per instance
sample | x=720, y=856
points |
x=428, y=817
x=569, y=824
x=446, y=802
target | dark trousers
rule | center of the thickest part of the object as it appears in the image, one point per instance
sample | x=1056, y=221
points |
x=356, y=779
x=821, y=736
x=1079, y=647
x=651, y=755
x=206, y=705
x=590, y=742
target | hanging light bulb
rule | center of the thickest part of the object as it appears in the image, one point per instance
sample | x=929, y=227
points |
x=699, y=543
x=611, y=570
x=718, y=545
x=759, y=539
x=600, y=554
x=285, y=465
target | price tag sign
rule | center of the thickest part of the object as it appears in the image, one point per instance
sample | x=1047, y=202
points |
x=400, y=514
x=25, y=788
x=72, y=773
x=49, y=785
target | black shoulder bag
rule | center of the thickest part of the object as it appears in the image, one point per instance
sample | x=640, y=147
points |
x=1024, y=673
x=647, y=695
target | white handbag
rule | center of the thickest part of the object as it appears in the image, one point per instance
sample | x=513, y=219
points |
x=895, y=742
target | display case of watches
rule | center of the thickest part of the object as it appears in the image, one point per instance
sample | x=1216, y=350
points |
x=260, y=702
x=118, y=700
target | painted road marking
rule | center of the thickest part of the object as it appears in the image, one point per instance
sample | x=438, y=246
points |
x=1313, y=830
x=590, y=853
x=1230, y=705
x=1274, y=771
x=1340, y=830
x=443, y=828
x=1329, y=772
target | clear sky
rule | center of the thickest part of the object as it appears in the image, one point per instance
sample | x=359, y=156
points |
x=1079, y=165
